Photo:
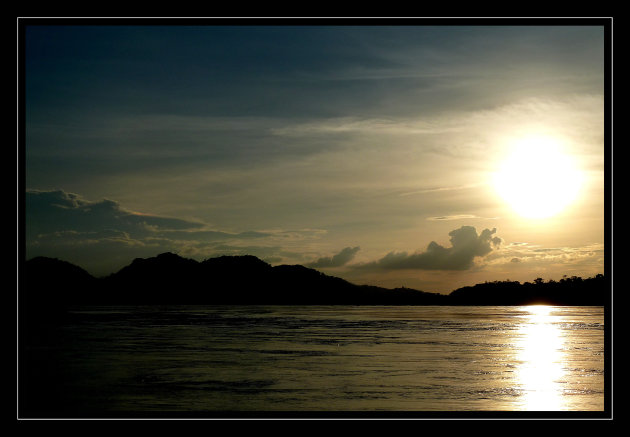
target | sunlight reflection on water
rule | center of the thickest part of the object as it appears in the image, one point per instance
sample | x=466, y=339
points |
x=541, y=355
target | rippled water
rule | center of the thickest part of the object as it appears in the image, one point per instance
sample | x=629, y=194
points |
x=334, y=358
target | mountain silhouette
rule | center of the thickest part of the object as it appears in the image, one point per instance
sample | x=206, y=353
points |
x=168, y=279
x=50, y=282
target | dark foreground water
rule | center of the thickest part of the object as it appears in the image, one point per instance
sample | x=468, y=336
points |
x=111, y=361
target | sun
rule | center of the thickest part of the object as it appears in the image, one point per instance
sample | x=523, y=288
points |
x=538, y=179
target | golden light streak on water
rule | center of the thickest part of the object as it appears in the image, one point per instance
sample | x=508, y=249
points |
x=541, y=358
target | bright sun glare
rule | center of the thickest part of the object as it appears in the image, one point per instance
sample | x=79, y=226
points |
x=538, y=179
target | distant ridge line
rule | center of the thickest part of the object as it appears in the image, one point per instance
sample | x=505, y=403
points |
x=168, y=279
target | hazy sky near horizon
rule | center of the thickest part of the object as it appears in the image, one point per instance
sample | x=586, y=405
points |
x=367, y=152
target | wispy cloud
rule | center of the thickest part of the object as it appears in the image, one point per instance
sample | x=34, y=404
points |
x=440, y=189
x=535, y=255
x=367, y=126
x=459, y=217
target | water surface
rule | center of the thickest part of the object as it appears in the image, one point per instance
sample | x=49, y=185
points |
x=332, y=358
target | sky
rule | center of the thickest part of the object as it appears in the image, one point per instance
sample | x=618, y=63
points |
x=428, y=156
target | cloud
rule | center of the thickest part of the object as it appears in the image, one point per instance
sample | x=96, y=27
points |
x=533, y=255
x=338, y=260
x=362, y=125
x=76, y=239
x=207, y=236
x=466, y=245
x=457, y=217
x=101, y=236
x=59, y=213
x=53, y=211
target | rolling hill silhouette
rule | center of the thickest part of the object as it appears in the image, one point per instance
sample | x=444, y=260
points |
x=171, y=279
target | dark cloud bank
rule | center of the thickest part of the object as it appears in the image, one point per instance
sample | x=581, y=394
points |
x=53, y=211
x=57, y=212
x=466, y=244
x=102, y=236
